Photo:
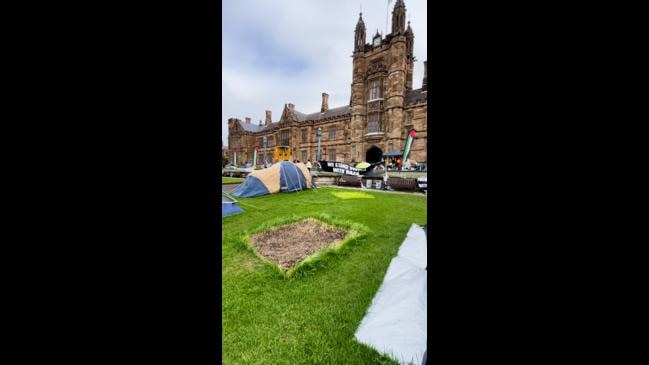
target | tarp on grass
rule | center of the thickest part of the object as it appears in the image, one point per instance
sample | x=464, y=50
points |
x=395, y=323
x=229, y=206
x=283, y=176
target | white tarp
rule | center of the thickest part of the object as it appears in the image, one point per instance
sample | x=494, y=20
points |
x=395, y=324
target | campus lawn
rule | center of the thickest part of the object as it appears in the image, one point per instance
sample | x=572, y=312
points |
x=310, y=319
x=231, y=180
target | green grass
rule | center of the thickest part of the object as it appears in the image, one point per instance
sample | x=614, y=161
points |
x=309, y=317
x=231, y=180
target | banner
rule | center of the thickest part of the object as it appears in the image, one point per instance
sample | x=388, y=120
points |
x=254, y=157
x=341, y=168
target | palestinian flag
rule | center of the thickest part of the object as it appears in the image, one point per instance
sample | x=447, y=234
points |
x=406, y=150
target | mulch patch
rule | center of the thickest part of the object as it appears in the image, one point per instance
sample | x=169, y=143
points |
x=292, y=243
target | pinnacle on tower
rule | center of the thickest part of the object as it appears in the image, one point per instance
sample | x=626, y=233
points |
x=399, y=17
x=359, y=34
x=424, y=84
x=410, y=38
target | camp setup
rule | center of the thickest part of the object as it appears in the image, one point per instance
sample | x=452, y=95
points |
x=393, y=153
x=395, y=324
x=228, y=205
x=283, y=176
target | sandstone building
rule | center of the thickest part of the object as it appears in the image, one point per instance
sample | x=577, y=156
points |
x=383, y=107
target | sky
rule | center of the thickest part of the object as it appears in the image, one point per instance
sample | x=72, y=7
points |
x=291, y=51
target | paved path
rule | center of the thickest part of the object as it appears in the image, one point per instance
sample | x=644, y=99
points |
x=229, y=187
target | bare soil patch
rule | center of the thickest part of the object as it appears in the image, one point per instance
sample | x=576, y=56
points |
x=292, y=243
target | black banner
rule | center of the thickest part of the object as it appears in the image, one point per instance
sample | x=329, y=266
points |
x=343, y=168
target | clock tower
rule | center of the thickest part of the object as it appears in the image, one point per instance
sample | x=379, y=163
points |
x=382, y=74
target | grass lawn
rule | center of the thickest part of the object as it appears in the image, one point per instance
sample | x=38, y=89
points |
x=231, y=180
x=310, y=318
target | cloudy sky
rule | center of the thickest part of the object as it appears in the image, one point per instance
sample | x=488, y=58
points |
x=280, y=51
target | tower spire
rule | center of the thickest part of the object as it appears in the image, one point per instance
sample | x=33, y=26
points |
x=410, y=38
x=359, y=34
x=399, y=17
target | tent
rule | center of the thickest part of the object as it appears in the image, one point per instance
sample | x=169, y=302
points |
x=393, y=153
x=228, y=205
x=283, y=176
x=395, y=323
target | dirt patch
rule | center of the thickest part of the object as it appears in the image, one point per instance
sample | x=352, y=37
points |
x=292, y=243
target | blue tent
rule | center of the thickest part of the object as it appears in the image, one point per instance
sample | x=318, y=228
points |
x=283, y=176
x=393, y=153
x=229, y=206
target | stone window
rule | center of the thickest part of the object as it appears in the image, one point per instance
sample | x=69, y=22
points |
x=375, y=89
x=303, y=157
x=353, y=152
x=332, y=132
x=374, y=123
x=332, y=154
x=285, y=138
x=304, y=135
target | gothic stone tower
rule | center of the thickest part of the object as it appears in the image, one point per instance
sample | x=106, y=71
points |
x=382, y=74
x=382, y=108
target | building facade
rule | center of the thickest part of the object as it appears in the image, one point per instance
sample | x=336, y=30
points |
x=382, y=109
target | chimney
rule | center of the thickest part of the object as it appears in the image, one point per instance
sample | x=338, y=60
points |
x=260, y=122
x=291, y=106
x=325, y=103
x=268, y=117
x=247, y=120
x=425, y=82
